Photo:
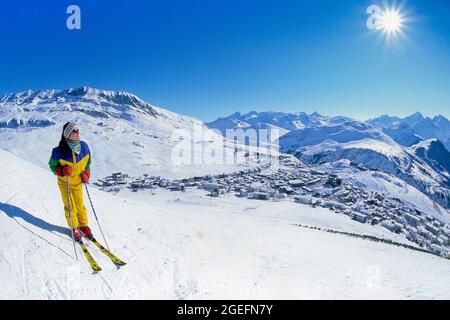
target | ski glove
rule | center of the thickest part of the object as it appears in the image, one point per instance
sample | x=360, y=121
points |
x=63, y=171
x=67, y=170
x=59, y=171
x=85, y=175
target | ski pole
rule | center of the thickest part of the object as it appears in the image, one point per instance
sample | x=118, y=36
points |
x=70, y=216
x=95, y=215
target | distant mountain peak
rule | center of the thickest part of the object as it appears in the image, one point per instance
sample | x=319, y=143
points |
x=417, y=116
x=284, y=121
x=386, y=117
x=235, y=115
x=441, y=120
x=414, y=128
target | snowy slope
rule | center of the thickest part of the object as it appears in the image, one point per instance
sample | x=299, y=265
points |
x=187, y=245
x=124, y=132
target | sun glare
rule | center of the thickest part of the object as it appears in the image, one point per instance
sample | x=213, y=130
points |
x=391, y=21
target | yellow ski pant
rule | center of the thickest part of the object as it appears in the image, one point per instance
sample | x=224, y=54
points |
x=77, y=208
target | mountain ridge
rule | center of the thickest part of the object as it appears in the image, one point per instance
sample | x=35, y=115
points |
x=414, y=128
x=126, y=132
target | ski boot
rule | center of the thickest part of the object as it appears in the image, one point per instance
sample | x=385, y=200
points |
x=87, y=233
x=76, y=235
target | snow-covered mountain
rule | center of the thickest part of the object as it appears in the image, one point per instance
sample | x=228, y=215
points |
x=191, y=246
x=405, y=131
x=363, y=144
x=380, y=144
x=282, y=121
x=414, y=128
x=433, y=152
x=124, y=132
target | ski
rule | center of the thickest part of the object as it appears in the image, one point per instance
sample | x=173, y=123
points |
x=109, y=254
x=94, y=265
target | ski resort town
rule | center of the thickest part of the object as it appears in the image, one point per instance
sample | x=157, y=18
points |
x=291, y=182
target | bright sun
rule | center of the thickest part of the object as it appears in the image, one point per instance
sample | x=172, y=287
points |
x=391, y=21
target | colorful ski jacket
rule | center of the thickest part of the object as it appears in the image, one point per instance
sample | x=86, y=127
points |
x=78, y=162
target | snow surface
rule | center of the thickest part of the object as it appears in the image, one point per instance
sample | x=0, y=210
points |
x=190, y=246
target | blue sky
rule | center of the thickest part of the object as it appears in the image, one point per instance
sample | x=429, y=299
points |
x=211, y=58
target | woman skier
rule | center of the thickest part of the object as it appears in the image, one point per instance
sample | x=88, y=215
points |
x=71, y=162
